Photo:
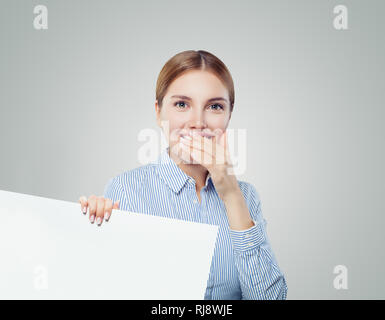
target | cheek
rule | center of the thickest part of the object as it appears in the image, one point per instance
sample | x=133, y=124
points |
x=217, y=122
x=174, y=123
x=174, y=119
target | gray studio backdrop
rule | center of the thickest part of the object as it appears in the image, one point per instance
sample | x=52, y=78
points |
x=75, y=96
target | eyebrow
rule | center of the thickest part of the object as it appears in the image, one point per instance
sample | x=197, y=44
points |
x=210, y=100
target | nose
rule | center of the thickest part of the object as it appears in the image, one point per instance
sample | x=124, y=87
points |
x=197, y=121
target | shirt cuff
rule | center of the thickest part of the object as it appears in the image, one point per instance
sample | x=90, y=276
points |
x=249, y=239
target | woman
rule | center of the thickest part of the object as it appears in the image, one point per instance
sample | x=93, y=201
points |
x=192, y=179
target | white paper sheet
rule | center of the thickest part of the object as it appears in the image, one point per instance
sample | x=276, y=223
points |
x=50, y=250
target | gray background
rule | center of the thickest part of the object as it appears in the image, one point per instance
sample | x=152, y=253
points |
x=74, y=98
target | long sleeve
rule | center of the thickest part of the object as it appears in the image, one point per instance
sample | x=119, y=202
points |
x=259, y=273
x=114, y=191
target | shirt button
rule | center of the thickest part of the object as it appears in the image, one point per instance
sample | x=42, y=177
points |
x=195, y=201
x=250, y=244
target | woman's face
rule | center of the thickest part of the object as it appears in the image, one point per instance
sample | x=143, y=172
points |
x=195, y=101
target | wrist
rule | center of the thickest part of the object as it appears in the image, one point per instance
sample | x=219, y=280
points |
x=226, y=185
x=232, y=194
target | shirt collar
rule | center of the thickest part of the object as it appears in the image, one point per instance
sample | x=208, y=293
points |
x=171, y=174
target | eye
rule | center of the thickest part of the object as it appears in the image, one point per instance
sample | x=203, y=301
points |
x=216, y=106
x=181, y=103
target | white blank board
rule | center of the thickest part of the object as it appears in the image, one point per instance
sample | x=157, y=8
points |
x=50, y=250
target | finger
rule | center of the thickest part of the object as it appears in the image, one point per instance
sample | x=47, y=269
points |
x=220, y=153
x=207, y=133
x=92, y=208
x=99, y=210
x=185, y=154
x=199, y=156
x=115, y=206
x=204, y=143
x=83, y=204
x=222, y=139
x=196, y=155
x=187, y=146
x=205, y=146
x=187, y=142
x=107, y=209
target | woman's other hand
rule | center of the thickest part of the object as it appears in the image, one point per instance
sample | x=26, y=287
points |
x=99, y=208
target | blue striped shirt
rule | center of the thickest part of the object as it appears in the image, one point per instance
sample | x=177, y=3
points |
x=243, y=264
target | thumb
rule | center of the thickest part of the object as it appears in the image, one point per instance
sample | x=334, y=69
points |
x=116, y=205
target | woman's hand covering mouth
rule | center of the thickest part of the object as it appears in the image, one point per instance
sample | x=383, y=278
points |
x=191, y=133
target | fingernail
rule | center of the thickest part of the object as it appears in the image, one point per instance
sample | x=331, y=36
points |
x=187, y=137
x=92, y=219
x=85, y=210
x=107, y=216
x=99, y=221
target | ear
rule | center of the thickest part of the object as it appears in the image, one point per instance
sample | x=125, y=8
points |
x=157, y=112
